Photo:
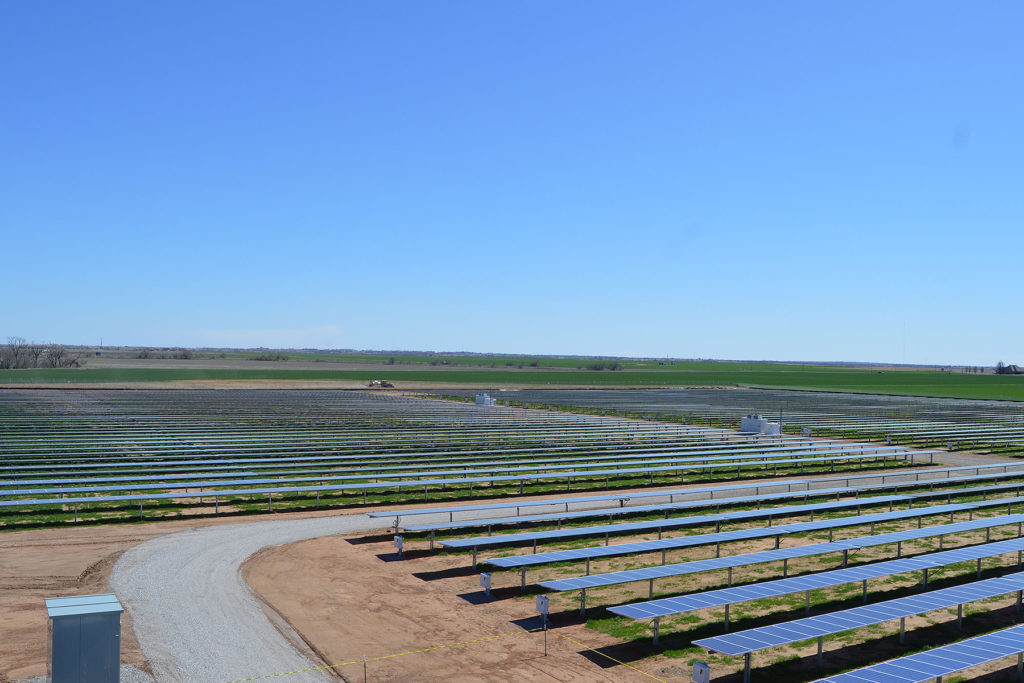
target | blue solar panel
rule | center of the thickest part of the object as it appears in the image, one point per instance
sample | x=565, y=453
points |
x=940, y=661
x=705, y=539
x=587, y=499
x=775, y=635
x=391, y=484
x=660, y=507
x=690, y=504
x=712, y=490
x=765, y=454
x=519, y=561
x=573, y=532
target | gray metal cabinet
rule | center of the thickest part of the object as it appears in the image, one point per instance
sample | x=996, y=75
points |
x=84, y=640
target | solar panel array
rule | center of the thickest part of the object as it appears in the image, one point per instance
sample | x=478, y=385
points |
x=940, y=661
x=110, y=450
x=752, y=640
x=520, y=561
x=768, y=589
x=919, y=421
x=61, y=450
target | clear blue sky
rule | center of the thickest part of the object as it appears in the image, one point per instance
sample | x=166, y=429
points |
x=777, y=180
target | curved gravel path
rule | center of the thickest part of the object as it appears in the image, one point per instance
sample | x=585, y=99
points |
x=194, y=616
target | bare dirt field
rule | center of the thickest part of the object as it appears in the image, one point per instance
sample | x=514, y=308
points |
x=50, y=563
x=356, y=599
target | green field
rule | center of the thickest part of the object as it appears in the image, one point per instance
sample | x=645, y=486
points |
x=679, y=374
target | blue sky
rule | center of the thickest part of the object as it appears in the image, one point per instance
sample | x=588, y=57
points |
x=784, y=180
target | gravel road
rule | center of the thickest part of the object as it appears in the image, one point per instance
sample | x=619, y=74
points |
x=195, y=618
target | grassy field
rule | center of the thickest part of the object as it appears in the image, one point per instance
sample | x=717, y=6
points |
x=679, y=374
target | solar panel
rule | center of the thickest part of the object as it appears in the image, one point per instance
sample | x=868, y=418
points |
x=766, y=455
x=728, y=596
x=587, y=499
x=712, y=490
x=660, y=507
x=388, y=484
x=940, y=661
x=670, y=523
x=520, y=561
x=764, y=637
x=706, y=539
x=626, y=510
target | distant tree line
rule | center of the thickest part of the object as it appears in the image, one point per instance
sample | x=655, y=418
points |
x=602, y=366
x=19, y=354
x=176, y=354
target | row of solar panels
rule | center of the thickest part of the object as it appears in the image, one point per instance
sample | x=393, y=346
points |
x=940, y=661
x=665, y=544
x=697, y=456
x=511, y=539
x=408, y=483
x=650, y=573
x=55, y=486
x=681, y=604
x=705, y=453
x=159, y=445
x=664, y=507
x=712, y=490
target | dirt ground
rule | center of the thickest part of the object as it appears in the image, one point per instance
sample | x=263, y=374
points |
x=49, y=563
x=356, y=599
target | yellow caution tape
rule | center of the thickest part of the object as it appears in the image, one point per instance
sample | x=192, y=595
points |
x=610, y=657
